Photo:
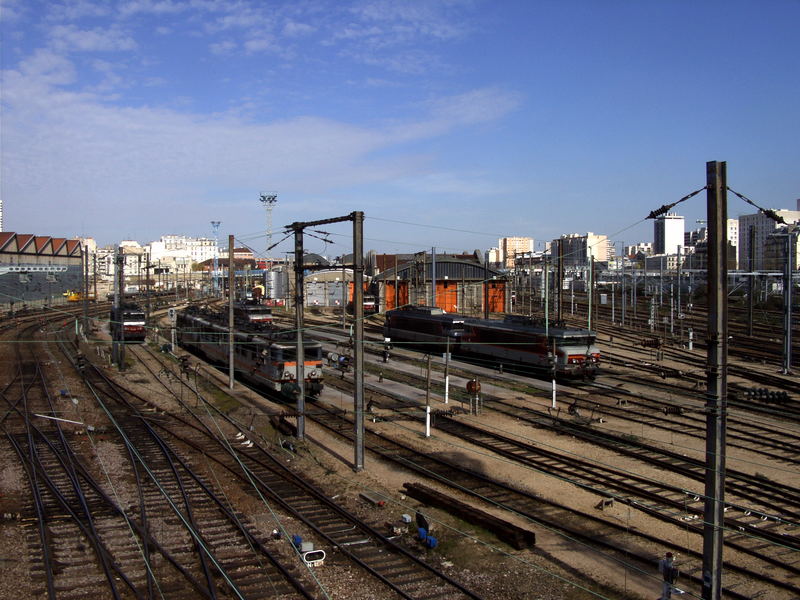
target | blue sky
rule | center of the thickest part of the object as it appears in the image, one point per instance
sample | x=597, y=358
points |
x=450, y=123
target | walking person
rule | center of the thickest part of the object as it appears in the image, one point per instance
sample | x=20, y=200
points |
x=669, y=575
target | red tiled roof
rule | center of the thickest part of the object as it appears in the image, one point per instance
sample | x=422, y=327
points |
x=5, y=238
x=59, y=245
x=72, y=246
x=41, y=242
x=24, y=241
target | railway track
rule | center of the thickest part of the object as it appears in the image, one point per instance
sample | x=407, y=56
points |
x=88, y=541
x=763, y=534
x=752, y=535
x=265, y=476
x=593, y=532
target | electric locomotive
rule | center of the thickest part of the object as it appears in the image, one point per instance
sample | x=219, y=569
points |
x=127, y=321
x=266, y=359
x=428, y=325
x=521, y=340
x=251, y=311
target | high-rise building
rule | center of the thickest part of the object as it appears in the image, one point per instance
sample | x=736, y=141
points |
x=762, y=226
x=667, y=234
x=511, y=246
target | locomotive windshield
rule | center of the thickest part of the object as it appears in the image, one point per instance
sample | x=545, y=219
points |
x=585, y=340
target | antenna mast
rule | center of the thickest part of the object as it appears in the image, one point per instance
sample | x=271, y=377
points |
x=269, y=199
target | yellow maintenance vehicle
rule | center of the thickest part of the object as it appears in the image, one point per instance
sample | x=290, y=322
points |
x=76, y=296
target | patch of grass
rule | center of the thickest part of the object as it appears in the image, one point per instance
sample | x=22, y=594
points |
x=223, y=401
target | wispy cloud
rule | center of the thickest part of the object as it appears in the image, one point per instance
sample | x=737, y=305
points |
x=296, y=29
x=401, y=21
x=223, y=48
x=74, y=10
x=12, y=10
x=70, y=38
x=101, y=155
x=153, y=7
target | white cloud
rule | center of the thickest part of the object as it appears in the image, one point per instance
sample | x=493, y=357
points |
x=12, y=10
x=154, y=7
x=73, y=10
x=241, y=16
x=404, y=20
x=260, y=44
x=70, y=38
x=475, y=106
x=222, y=48
x=42, y=69
x=296, y=29
x=96, y=156
x=407, y=62
x=451, y=112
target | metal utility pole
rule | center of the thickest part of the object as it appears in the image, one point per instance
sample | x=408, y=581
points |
x=791, y=240
x=530, y=283
x=433, y=276
x=546, y=276
x=716, y=380
x=117, y=330
x=624, y=297
x=591, y=291
x=147, y=287
x=299, y=306
x=560, y=277
x=751, y=288
x=344, y=297
x=357, y=218
x=215, y=228
x=396, y=284
x=680, y=312
x=486, y=289
x=231, y=288
x=85, y=289
x=358, y=335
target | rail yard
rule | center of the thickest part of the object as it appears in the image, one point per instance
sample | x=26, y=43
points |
x=159, y=480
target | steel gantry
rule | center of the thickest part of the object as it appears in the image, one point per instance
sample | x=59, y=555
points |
x=357, y=218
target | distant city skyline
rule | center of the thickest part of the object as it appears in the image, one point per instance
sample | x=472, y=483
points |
x=450, y=124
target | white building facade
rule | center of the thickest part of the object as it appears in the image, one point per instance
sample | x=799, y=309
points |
x=762, y=226
x=578, y=249
x=511, y=246
x=668, y=234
